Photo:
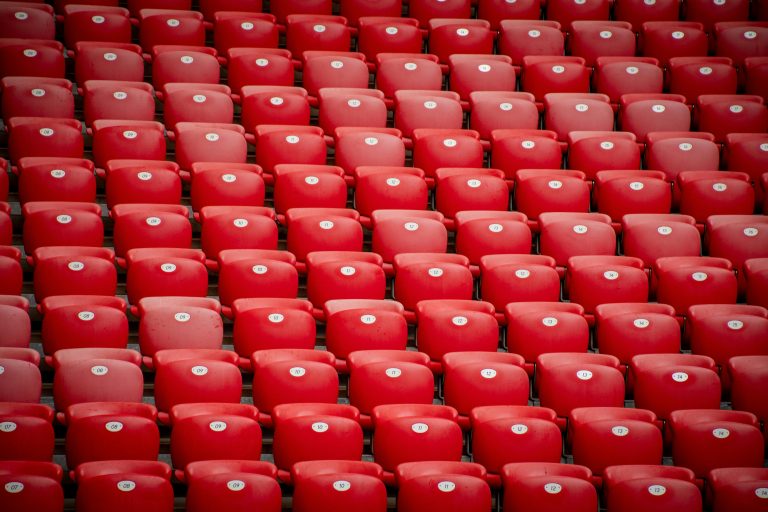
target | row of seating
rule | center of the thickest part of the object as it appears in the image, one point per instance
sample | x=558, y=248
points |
x=327, y=485
x=69, y=321
x=477, y=387
x=442, y=28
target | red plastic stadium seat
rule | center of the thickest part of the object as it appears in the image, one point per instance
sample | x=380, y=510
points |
x=183, y=322
x=96, y=23
x=498, y=11
x=388, y=187
x=416, y=432
x=644, y=113
x=31, y=485
x=193, y=64
x=566, y=11
x=664, y=488
x=344, y=275
x=626, y=330
x=755, y=275
x=506, y=434
x=31, y=57
x=386, y=33
x=434, y=148
x=290, y=144
x=11, y=273
x=575, y=234
x=457, y=190
x=436, y=112
x=594, y=39
x=28, y=432
x=722, y=114
x=612, y=436
x=75, y=321
x=61, y=224
x=424, y=10
x=361, y=324
x=353, y=10
x=443, y=325
x=273, y=104
x=520, y=37
x=256, y=273
x=667, y=382
x=96, y=375
x=110, y=431
x=739, y=487
x=236, y=227
x=342, y=70
x=747, y=375
x=618, y=193
x=723, y=331
x=594, y=151
x=56, y=179
x=555, y=327
x=213, y=431
x=170, y=27
x=544, y=74
x=548, y=486
x=550, y=190
x=316, y=33
x=444, y=484
x=381, y=377
x=74, y=271
x=357, y=147
x=13, y=312
x=710, y=13
x=703, y=440
x=271, y=323
x=740, y=40
x=667, y=39
x=515, y=149
x=144, y=226
x=41, y=136
x=568, y=112
x=286, y=376
x=200, y=103
x=104, y=484
x=407, y=71
x=117, y=139
x=591, y=380
x=500, y=110
x=616, y=76
x=423, y=276
x=474, y=379
x=323, y=229
x=747, y=152
x=340, y=107
x=652, y=236
x=225, y=184
x=258, y=66
x=185, y=376
x=638, y=12
x=112, y=99
x=233, y=28
x=313, y=431
x=141, y=181
x=481, y=233
x=452, y=36
x=404, y=231
x=326, y=486
x=37, y=97
x=232, y=484
x=684, y=281
x=157, y=272
x=693, y=76
x=108, y=61
x=209, y=142
x=309, y=186
x=594, y=280
x=675, y=152
x=506, y=278
x=20, y=380
x=737, y=238
x=27, y=20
